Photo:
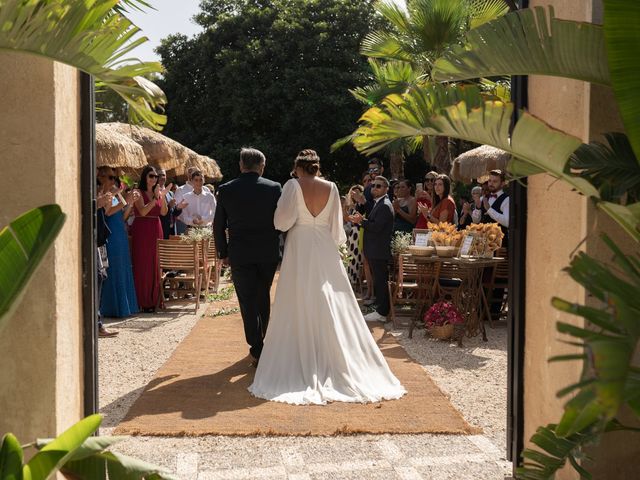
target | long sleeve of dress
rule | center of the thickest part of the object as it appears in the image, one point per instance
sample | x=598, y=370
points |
x=287, y=210
x=336, y=220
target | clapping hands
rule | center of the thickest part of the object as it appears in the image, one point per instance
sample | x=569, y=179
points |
x=356, y=218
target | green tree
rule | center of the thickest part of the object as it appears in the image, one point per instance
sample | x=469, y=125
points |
x=271, y=74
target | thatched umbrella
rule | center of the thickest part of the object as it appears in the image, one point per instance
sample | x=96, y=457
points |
x=118, y=151
x=478, y=162
x=164, y=152
x=206, y=165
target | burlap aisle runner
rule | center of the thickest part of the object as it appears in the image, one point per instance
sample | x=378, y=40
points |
x=202, y=390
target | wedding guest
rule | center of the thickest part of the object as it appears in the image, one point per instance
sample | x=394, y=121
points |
x=367, y=202
x=405, y=207
x=118, y=298
x=496, y=203
x=476, y=204
x=201, y=204
x=180, y=226
x=354, y=238
x=424, y=199
x=366, y=179
x=167, y=221
x=102, y=234
x=378, y=228
x=444, y=209
x=145, y=232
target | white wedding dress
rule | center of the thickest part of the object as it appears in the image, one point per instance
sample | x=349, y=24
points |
x=318, y=348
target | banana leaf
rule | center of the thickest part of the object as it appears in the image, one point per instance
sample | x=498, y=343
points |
x=621, y=20
x=23, y=244
x=89, y=35
x=53, y=455
x=529, y=42
x=10, y=457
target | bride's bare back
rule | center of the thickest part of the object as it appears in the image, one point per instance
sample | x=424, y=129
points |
x=316, y=193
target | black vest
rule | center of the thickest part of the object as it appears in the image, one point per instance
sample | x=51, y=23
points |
x=497, y=206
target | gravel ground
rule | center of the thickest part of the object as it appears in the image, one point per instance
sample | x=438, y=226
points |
x=474, y=378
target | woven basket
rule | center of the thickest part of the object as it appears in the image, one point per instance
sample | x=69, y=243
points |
x=445, y=332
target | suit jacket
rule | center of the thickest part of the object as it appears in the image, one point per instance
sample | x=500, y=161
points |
x=245, y=207
x=378, y=229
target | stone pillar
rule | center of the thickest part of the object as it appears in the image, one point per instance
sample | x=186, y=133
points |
x=559, y=221
x=41, y=375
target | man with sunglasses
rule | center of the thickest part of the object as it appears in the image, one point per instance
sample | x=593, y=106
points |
x=366, y=201
x=378, y=230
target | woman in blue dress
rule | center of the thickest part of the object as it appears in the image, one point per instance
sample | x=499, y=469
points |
x=118, y=291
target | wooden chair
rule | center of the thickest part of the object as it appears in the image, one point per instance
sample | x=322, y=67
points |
x=497, y=278
x=211, y=266
x=412, y=291
x=183, y=257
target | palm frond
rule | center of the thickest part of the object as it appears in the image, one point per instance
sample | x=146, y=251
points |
x=388, y=78
x=462, y=112
x=88, y=35
x=528, y=42
x=621, y=19
x=384, y=45
x=483, y=11
x=554, y=452
x=611, y=167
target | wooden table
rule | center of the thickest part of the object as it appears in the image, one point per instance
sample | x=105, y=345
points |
x=469, y=302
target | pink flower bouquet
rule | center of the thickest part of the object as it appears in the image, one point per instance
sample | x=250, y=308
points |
x=442, y=313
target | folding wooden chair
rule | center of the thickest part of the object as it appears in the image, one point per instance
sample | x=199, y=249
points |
x=498, y=278
x=184, y=257
x=211, y=266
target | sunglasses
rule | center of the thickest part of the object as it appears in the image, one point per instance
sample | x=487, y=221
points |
x=430, y=180
x=374, y=170
x=378, y=185
x=152, y=175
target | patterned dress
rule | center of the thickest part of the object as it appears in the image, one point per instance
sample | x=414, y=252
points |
x=354, y=244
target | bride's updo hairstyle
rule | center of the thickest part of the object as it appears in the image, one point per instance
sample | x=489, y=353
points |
x=309, y=161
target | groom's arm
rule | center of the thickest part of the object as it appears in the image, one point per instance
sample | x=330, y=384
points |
x=382, y=218
x=220, y=228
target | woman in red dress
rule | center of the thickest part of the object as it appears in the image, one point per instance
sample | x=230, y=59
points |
x=424, y=199
x=145, y=232
x=445, y=207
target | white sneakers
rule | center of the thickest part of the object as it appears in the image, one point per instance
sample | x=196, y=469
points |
x=375, y=317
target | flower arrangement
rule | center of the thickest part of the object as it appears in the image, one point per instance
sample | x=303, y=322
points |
x=197, y=234
x=442, y=313
x=345, y=254
x=400, y=242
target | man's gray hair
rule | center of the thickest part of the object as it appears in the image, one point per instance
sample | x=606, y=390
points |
x=252, y=158
x=383, y=179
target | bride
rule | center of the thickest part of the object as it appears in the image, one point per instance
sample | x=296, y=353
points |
x=318, y=348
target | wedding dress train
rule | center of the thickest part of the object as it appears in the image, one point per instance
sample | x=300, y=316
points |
x=318, y=348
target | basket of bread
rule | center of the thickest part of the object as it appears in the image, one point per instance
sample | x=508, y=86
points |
x=487, y=239
x=446, y=238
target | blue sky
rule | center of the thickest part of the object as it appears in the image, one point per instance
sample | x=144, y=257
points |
x=170, y=16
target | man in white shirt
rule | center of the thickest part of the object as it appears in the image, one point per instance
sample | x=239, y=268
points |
x=496, y=204
x=201, y=204
x=180, y=225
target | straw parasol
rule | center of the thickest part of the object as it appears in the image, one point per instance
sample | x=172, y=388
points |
x=118, y=151
x=163, y=152
x=478, y=162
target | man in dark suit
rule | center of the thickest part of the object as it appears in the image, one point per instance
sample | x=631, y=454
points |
x=245, y=208
x=378, y=229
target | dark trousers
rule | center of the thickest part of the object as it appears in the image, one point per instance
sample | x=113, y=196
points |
x=253, y=285
x=380, y=271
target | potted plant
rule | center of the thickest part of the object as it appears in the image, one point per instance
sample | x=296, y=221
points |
x=441, y=319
